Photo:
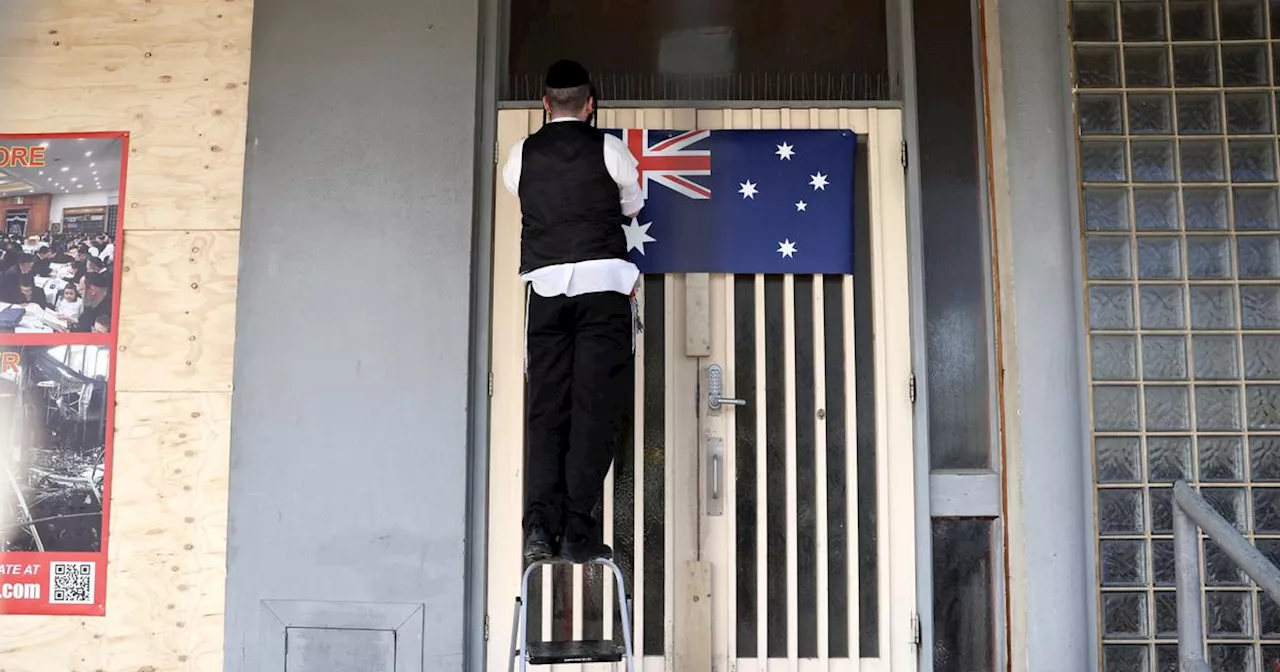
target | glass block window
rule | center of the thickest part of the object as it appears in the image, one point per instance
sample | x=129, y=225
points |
x=1175, y=105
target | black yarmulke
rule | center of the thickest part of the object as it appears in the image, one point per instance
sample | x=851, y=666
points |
x=566, y=74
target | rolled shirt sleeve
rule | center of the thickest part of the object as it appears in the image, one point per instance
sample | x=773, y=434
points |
x=622, y=166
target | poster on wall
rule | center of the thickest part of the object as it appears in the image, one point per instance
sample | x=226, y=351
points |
x=59, y=287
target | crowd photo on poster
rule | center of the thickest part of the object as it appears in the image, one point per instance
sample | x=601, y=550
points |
x=53, y=406
x=57, y=248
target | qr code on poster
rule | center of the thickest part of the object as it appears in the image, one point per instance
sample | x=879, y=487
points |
x=71, y=583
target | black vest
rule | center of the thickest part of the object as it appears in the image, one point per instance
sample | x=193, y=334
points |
x=568, y=199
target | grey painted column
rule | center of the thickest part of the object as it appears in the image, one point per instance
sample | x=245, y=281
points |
x=349, y=429
x=1054, y=507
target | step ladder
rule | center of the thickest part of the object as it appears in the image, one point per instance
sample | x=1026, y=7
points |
x=579, y=651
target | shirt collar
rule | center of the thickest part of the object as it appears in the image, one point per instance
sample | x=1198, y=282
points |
x=564, y=119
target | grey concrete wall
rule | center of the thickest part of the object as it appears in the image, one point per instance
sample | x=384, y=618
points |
x=1054, y=506
x=349, y=428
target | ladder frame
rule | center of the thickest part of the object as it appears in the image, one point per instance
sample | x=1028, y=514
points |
x=520, y=620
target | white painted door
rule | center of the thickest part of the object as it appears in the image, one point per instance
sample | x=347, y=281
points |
x=775, y=534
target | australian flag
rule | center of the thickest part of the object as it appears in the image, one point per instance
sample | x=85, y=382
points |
x=743, y=201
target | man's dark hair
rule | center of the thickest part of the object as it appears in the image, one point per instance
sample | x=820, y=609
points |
x=568, y=86
x=568, y=101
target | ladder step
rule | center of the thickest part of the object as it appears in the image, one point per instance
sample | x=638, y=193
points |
x=580, y=651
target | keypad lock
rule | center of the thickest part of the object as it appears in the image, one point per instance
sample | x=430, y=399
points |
x=715, y=390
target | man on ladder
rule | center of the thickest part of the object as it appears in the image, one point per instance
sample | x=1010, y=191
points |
x=577, y=186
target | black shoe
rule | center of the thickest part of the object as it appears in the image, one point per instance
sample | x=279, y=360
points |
x=538, y=545
x=579, y=552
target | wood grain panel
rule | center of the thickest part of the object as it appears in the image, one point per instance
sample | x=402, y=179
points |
x=167, y=553
x=177, y=311
x=174, y=75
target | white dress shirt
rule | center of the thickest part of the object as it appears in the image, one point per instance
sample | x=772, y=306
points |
x=596, y=275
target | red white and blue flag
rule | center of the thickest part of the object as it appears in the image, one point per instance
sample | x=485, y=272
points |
x=743, y=201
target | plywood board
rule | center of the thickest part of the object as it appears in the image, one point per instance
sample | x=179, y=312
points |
x=177, y=310
x=175, y=76
x=168, y=549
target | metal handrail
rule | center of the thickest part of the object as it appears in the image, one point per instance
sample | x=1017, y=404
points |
x=1191, y=510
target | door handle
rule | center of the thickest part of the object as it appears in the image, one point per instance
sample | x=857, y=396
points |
x=715, y=476
x=715, y=390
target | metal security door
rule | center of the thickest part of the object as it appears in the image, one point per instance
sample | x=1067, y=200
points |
x=778, y=534
x=808, y=506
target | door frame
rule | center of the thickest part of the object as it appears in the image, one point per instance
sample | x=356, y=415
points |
x=882, y=129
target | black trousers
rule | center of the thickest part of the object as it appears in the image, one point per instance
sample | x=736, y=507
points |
x=580, y=371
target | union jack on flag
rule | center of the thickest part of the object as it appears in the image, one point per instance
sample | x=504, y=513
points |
x=783, y=201
x=669, y=161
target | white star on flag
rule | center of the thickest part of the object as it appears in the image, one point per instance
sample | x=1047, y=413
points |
x=787, y=248
x=819, y=181
x=785, y=151
x=748, y=189
x=801, y=205
x=637, y=235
